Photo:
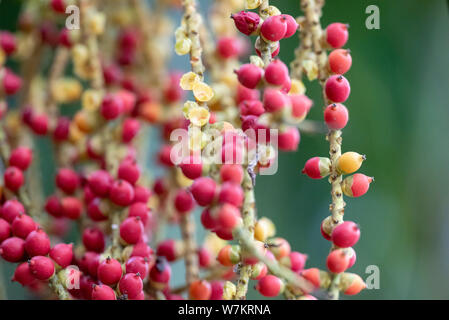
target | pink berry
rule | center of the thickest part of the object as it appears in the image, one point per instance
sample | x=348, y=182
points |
x=129, y=171
x=191, y=167
x=58, y=5
x=111, y=107
x=121, y=193
x=62, y=129
x=276, y=73
x=89, y=263
x=288, y=140
x=23, y=225
x=337, y=88
x=336, y=116
x=5, y=230
x=103, y=292
x=203, y=190
x=231, y=193
x=207, y=220
x=337, y=34
x=204, y=257
x=41, y=267
x=249, y=75
x=340, y=61
x=200, y=290
x=109, y=271
x=244, y=93
x=228, y=216
x=295, y=261
x=13, y=249
x=232, y=173
x=137, y=265
x=274, y=28
x=130, y=284
x=64, y=38
x=21, y=158
x=7, y=42
x=246, y=22
x=229, y=47
x=112, y=74
x=141, y=194
x=37, y=243
x=128, y=99
x=99, y=182
x=93, y=239
x=292, y=25
x=95, y=210
x=337, y=261
x=13, y=178
x=11, y=82
x=301, y=105
x=317, y=167
x=130, y=129
x=164, y=156
x=346, y=234
x=274, y=100
x=270, y=286
x=67, y=180
x=39, y=124
x=62, y=254
x=251, y=107
x=184, y=201
x=131, y=230
x=11, y=209
x=160, y=273
x=356, y=185
x=71, y=207
x=141, y=249
x=141, y=210
x=217, y=288
x=23, y=274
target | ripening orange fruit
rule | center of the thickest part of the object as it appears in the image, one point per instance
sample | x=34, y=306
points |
x=350, y=162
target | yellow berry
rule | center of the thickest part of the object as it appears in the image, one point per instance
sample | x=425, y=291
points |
x=199, y=116
x=264, y=229
x=202, y=91
x=188, y=80
x=350, y=162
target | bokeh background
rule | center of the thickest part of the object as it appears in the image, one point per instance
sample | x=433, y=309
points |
x=399, y=118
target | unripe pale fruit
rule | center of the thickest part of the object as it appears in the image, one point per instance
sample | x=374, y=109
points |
x=264, y=229
x=312, y=275
x=350, y=162
x=279, y=247
x=229, y=255
x=301, y=105
x=351, y=283
x=346, y=234
x=356, y=185
x=317, y=167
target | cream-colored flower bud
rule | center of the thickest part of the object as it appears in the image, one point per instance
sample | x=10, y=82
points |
x=229, y=290
x=97, y=22
x=273, y=11
x=183, y=46
x=297, y=87
x=80, y=54
x=91, y=99
x=264, y=229
x=202, y=91
x=199, y=116
x=66, y=90
x=257, y=61
x=311, y=69
x=252, y=4
x=188, y=80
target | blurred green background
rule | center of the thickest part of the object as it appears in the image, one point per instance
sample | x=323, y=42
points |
x=399, y=118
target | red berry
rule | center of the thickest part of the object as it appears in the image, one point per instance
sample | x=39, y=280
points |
x=131, y=284
x=39, y=124
x=141, y=249
x=89, y=263
x=164, y=156
x=112, y=74
x=192, y=167
x=276, y=73
x=167, y=249
x=249, y=75
x=67, y=180
x=128, y=99
x=231, y=193
x=109, y=271
x=312, y=275
x=64, y=38
x=13, y=178
x=317, y=167
x=121, y=193
x=207, y=220
x=228, y=216
x=203, y=190
x=204, y=257
x=137, y=265
x=21, y=158
x=232, y=173
x=337, y=261
x=217, y=288
x=251, y=107
x=244, y=93
x=99, y=182
x=95, y=210
x=184, y=201
x=23, y=225
x=62, y=254
x=301, y=105
x=13, y=249
x=295, y=261
x=225, y=234
x=340, y=61
x=200, y=290
x=336, y=116
x=5, y=230
x=129, y=171
x=270, y=286
x=352, y=257
x=37, y=243
x=246, y=22
x=292, y=25
x=41, y=267
x=141, y=210
x=130, y=129
x=160, y=273
x=71, y=207
x=11, y=82
x=111, y=107
x=337, y=88
x=141, y=194
x=346, y=234
x=7, y=42
x=356, y=185
x=337, y=34
x=58, y=6
x=274, y=100
x=131, y=230
x=274, y=28
x=324, y=233
x=93, y=239
x=62, y=129
x=288, y=140
x=103, y=292
x=229, y=47
x=23, y=274
x=11, y=209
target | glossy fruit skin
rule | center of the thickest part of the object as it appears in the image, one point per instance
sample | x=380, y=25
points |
x=21, y=158
x=130, y=129
x=37, y=243
x=349, y=162
x=232, y=173
x=251, y=107
x=229, y=47
x=103, y=292
x=274, y=100
x=191, y=167
x=337, y=261
x=203, y=190
x=231, y=193
x=53, y=206
x=346, y=234
x=23, y=274
x=246, y=22
x=336, y=116
x=337, y=88
x=93, y=239
x=324, y=233
x=355, y=285
x=337, y=34
x=270, y=286
x=131, y=284
x=204, y=257
x=207, y=220
x=13, y=249
x=131, y=230
x=184, y=202
x=100, y=182
x=129, y=171
x=111, y=107
x=352, y=257
x=249, y=75
x=289, y=139
x=141, y=210
x=228, y=216
x=13, y=178
x=39, y=124
x=340, y=61
x=23, y=225
x=200, y=290
x=141, y=194
x=11, y=209
x=67, y=180
x=312, y=275
x=121, y=193
x=7, y=42
x=41, y=267
x=356, y=185
x=5, y=230
x=11, y=82
x=71, y=207
x=109, y=271
x=216, y=290
x=160, y=273
x=274, y=28
x=292, y=25
x=137, y=265
x=317, y=167
x=295, y=261
x=167, y=249
x=276, y=73
x=62, y=254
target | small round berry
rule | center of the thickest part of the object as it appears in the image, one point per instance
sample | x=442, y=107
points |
x=160, y=273
x=89, y=263
x=207, y=220
x=203, y=190
x=346, y=234
x=62, y=129
x=295, y=261
x=103, y=292
x=41, y=267
x=170, y=249
x=141, y=249
x=340, y=61
x=141, y=210
x=204, y=257
x=276, y=73
x=96, y=210
x=13, y=178
x=274, y=100
x=336, y=116
x=130, y=129
x=270, y=286
x=288, y=139
x=11, y=82
x=249, y=75
x=7, y=42
x=312, y=275
x=21, y=158
x=200, y=290
x=228, y=216
x=217, y=288
x=274, y=28
x=229, y=47
x=13, y=249
x=11, y=209
x=131, y=284
x=264, y=229
x=111, y=106
x=251, y=107
x=23, y=274
x=292, y=25
x=232, y=173
x=53, y=206
x=223, y=233
x=243, y=93
x=137, y=265
x=39, y=124
x=121, y=193
x=23, y=225
x=93, y=239
x=317, y=167
x=62, y=254
x=5, y=230
x=337, y=88
x=246, y=22
x=323, y=229
x=191, y=167
x=337, y=34
x=301, y=105
x=141, y=194
x=67, y=180
x=100, y=182
x=337, y=261
x=258, y=271
x=184, y=201
x=350, y=162
x=131, y=230
x=109, y=271
x=71, y=207
x=231, y=193
x=37, y=243
x=229, y=255
x=129, y=171
x=356, y=185
x=352, y=257
x=58, y=5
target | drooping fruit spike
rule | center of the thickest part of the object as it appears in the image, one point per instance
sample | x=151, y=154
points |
x=356, y=185
x=317, y=167
x=264, y=229
x=346, y=234
x=350, y=162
